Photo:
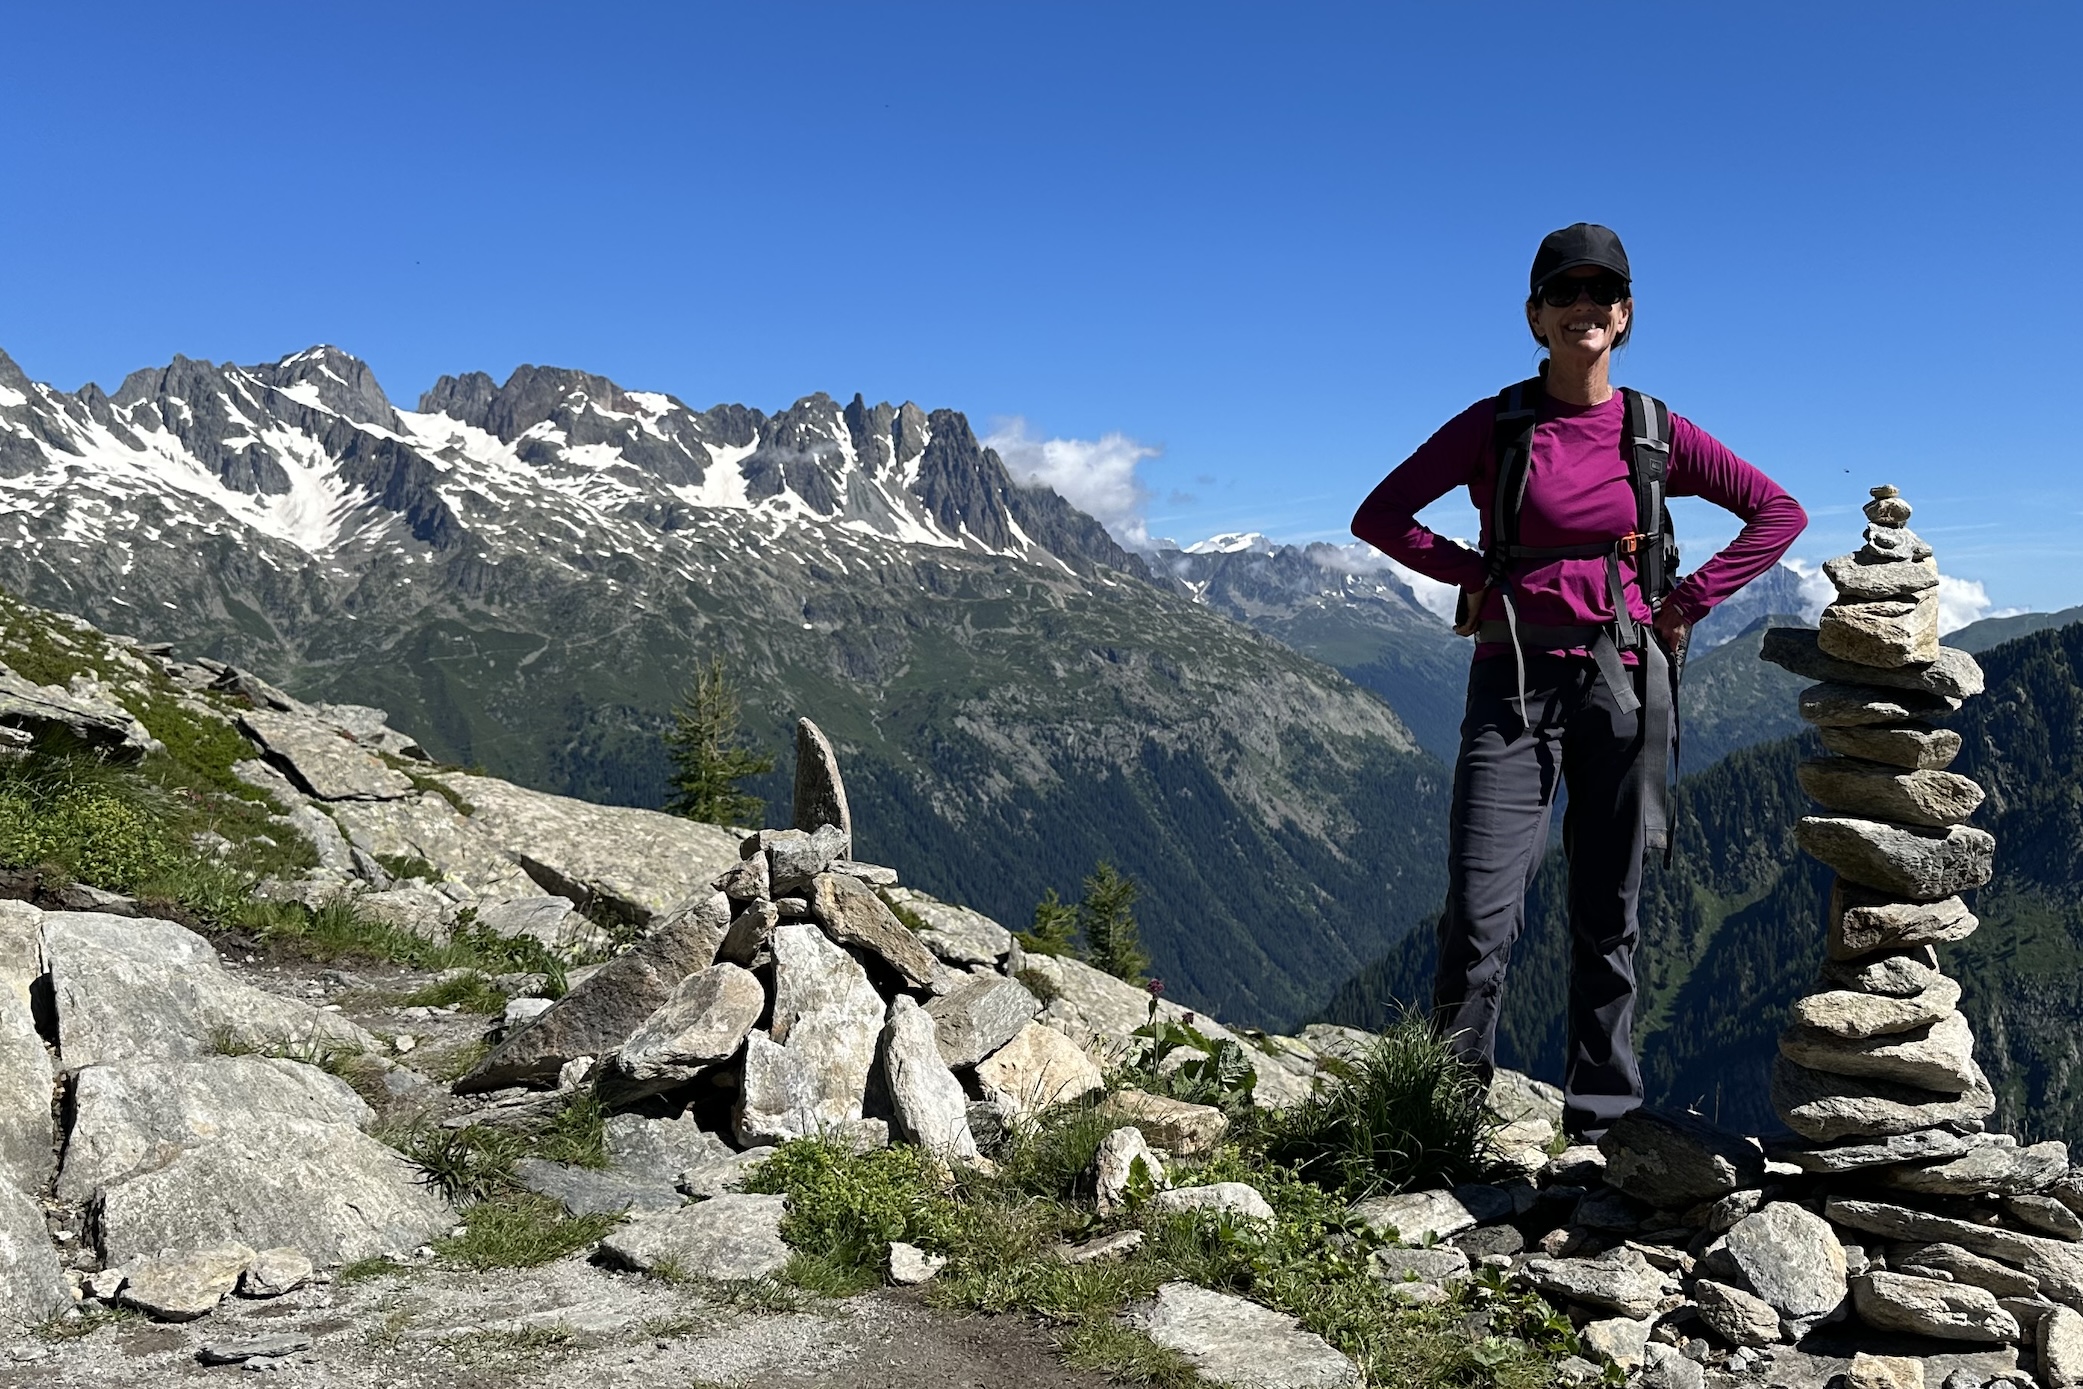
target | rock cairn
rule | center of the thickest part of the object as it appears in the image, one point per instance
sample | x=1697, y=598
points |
x=1877, y=1064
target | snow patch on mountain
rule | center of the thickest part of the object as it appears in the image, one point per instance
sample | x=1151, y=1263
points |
x=1236, y=543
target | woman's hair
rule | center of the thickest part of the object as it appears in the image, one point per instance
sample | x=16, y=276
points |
x=1533, y=301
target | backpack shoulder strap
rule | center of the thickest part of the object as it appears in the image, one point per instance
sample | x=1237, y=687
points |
x=1648, y=445
x=1511, y=442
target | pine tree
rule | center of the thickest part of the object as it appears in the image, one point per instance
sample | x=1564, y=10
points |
x=1055, y=926
x=708, y=763
x=1106, y=920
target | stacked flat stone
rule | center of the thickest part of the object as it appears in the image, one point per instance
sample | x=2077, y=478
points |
x=1876, y=1071
x=1878, y=1061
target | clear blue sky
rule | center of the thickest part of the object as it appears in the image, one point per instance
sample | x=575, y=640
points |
x=1278, y=243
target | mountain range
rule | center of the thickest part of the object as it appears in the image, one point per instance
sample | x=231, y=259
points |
x=528, y=573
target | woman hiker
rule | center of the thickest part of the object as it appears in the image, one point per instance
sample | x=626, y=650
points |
x=1578, y=636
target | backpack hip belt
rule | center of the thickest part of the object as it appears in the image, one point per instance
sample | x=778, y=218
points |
x=1649, y=547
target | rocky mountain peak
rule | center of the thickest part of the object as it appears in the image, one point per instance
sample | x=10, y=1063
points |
x=332, y=379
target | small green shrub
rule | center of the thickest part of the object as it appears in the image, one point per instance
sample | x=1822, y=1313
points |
x=409, y=866
x=1409, y=1114
x=1210, y=1072
x=912, y=920
x=97, y=821
x=846, y=1208
x=1054, y=929
x=1039, y=984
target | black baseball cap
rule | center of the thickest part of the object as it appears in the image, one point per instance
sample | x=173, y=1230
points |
x=1579, y=244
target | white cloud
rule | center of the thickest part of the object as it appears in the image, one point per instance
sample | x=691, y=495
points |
x=1437, y=597
x=1097, y=476
x=1960, y=601
x=1816, y=591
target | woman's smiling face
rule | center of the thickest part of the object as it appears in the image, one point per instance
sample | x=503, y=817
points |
x=1585, y=327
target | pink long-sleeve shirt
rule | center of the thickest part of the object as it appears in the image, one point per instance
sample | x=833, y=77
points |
x=1577, y=493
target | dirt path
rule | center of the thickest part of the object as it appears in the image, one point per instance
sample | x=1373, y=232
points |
x=563, y=1324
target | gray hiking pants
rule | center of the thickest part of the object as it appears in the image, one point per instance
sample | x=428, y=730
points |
x=1504, y=787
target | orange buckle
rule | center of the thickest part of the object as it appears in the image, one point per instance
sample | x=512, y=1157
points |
x=1631, y=543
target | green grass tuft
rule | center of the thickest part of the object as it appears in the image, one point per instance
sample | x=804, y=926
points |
x=576, y=1135
x=469, y=992
x=1409, y=1115
x=1126, y=1355
x=520, y=1230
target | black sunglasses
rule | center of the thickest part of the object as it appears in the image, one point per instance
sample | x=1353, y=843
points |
x=1604, y=289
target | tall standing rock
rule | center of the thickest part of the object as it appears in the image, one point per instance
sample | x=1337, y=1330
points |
x=820, y=791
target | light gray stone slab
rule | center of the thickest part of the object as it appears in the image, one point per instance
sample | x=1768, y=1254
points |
x=1792, y=1259
x=137, y=987
x=820, y=791
x=852, y=915
x=1834, y=705
x=1240, y=1199
x=185, y=1284
x=1918, y=864
x=1985, y=1169
x=1953, y=675
x=1881, y=632
x=927, y=1106
x=1862, y=922
x=129, y=1116
x=425, y=826
x=1038, y=1068
x=1122, y=1156
x=811, y=1072
x=600, y=1012
x=955, y=934
x=322, y=761
x=1929, y=1307
x=2058, y=1264
x=597, y=1191
x=702, y=1023
x=1938, y=1056
x=31, y=1286
x=1237, y=1342
x=1913, y=746
x=1823, y=1107
x=1853, y=786
x=1856, y=1015
x=638, y=863
x=979, y=1015
x=1676, y=1160
x=328, y=1189
x=1416, y=1217
x=660, y=1148
x=1620, y=1280
x=725, y=1239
